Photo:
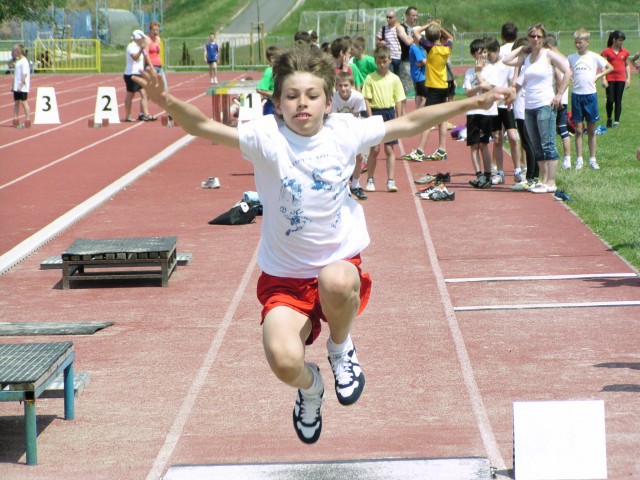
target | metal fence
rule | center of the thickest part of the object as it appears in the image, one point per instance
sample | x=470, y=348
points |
x=62, y=55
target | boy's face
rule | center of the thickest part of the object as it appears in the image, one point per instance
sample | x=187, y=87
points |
x=582, y=44
x=357, y=51
x=344, y=89
x=492, y=56
x=480, y=56
x=303, y=104
x=383, y=64
x=212, y=38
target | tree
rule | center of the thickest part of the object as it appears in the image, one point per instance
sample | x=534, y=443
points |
x=36, y=10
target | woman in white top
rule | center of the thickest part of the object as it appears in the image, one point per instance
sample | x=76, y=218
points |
x=542, y=99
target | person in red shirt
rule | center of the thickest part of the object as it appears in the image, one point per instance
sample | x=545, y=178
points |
x=155, y=51
x=619, y=79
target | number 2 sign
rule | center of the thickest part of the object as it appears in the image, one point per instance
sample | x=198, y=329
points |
x=106, y=105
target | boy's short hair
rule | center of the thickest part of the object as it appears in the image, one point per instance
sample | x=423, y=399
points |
x=345, y=77
x=582, y=34
x=550, y=41
x=340, y=44
x=303, y=36
x=271, y=51
x=509, y=32
x=476, y=45
x=359, y=42
x=310, y=60
x=519, y=42
x=491, y=44
x=433, y=32
x=382, y=52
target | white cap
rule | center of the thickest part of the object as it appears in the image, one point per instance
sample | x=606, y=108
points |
x=138, y=35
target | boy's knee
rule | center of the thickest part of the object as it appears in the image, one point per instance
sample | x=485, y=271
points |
x=286, y=363
x=338, y=282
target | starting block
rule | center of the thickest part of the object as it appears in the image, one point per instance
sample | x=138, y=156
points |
x=15, y=122
x=91, y=123
x=553, y=440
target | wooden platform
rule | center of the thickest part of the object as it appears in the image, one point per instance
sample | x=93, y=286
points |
x=120, y=258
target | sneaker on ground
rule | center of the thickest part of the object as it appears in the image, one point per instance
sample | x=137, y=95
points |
x=437, y=155
x=520, y=186
x=442, y=195
x=442, y=178
x=425, y=192
x=358, y=193
x=484, y=182
x=566, y=164
x=615, y=124
x=423, y=180
x=348, y=375
x=416, y=155
x=307, y=415
x=519, y=177
x=370, y=186
x=594, y=165
x=497, y=179
x=391, y=186
x=474, y=182
x=579, y=164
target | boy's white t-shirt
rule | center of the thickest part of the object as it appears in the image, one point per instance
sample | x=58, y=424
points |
x=585, y=68
x=471, y=81
x=309, y=219
x=355, y=103
x=21, y=71
x=503, y=77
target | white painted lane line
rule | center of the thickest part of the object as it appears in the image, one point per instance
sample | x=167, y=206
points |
x=477, y=404
x=541, y=277
x=190, y=398
x=622, y=303
x=35, y=241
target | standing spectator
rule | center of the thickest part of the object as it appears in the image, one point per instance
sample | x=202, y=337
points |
x=266, y=84
x=156, y=51
x=584, y=101
x=388, y=36
x=508, y=34
x=211, y=57
x=619, y=79
x=365, y=63
x=418, y=59
x=383, y=93
x=438, y=43
x=404, y=31
x=136, y=58
x=543, y=96
x=21, y=84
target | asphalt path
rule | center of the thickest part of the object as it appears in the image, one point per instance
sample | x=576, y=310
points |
x=270, y=12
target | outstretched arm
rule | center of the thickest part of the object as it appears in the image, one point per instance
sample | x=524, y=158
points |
x=189, y=117
x=424, y=118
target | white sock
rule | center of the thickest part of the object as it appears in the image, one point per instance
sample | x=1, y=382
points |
x=355, y=183
x=567, y=159
x=517, y=171
x=317, y=385
x=333, y=347
x=592, y=160
x=579, y=160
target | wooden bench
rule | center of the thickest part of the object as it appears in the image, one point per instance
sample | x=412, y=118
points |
x=143, y=258
x=26, y=370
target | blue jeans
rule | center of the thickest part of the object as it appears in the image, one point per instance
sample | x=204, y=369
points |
x=541, y=127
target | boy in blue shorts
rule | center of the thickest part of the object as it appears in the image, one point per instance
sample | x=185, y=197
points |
x=584, y=101
x=384, y=94
x=417, y=62
x=313, y=231
x=211, y=57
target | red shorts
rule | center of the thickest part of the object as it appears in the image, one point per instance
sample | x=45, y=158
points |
x=301, y=295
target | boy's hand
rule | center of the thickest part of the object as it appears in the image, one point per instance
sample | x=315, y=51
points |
x=508, y=95
x=151, y=83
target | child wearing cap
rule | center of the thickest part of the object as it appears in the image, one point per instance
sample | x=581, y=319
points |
x=136, y=57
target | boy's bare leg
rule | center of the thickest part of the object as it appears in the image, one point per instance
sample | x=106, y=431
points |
x=284, y=332
x=391, y=161
x=591, y=138
x=27, y=111
x=339, y=290
x=128, y=101
x=442, y=136
x=372, y=161
x=578, y=138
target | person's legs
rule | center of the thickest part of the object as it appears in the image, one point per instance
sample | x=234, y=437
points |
x=579, y=143
x=128, y=101
x=144, y=103
x=549, y=165
x=391, y=167
x=610, y=102
x=591, y=137
x=618, y=91
x=372, y=161
x=25, y=109
x=16, y=110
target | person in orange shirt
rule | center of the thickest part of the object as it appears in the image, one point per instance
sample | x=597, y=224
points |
x=156, y=51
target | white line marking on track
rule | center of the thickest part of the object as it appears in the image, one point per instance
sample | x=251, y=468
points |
x=541, y=277
x=621, y=303
x=35, y=241
x=172, y=438
x=479, y=410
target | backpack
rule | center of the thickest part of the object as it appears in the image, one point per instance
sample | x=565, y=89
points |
x=404, y=49
x=239, y=214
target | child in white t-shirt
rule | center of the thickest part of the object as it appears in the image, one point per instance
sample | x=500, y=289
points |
x=21, y=84
x=312, y=230
x=348, y=100
x=587, y=68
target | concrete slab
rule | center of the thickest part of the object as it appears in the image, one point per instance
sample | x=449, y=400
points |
x=475, y=468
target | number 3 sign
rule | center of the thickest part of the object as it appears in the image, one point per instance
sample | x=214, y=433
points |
x=46, y=106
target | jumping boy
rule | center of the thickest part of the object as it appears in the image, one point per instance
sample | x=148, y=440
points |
x=312, y=231
x=584, y=100
x=347, y=99
x=21, y=84
x=383, y=92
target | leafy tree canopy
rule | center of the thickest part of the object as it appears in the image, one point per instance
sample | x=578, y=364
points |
x=37, y=10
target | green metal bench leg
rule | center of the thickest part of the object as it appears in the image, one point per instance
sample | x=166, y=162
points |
x=69, y=387
x=31, y=431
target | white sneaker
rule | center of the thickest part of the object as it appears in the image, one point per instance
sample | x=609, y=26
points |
x=307, y=415
x=579, y=164
x=594, y=165
x=391, y=186
x=370, y=186
x=566, y=164
x=497, y=179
